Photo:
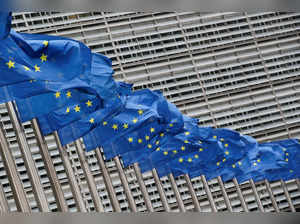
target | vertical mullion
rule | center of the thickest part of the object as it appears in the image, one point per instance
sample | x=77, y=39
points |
x=89, y=177
x=38, y=190
x=13, y=175
x=108, y=183
x=70, y=174
x=53, y=178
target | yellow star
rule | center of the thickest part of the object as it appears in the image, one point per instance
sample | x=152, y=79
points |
x=226, y=145
x=190, y=160
x=140, y=112
x=222, y=139
x=149, y=146
x=92, y=120
x=77, y=108
x=158, y=149
x=89, y=103
x=180, y=160
x=152, y=130
x=174, y=151
x=135, y=120
x=258, y=160
x=255, y=164
x=218, y=163
x=182, y=148
x=284, y=149
x=286, y=154
x=147, y=137
x=196, y=156
x=57, y=94
x=215, y=137
x=157, y=142
x=26, y=68
x=224, y=160
x=68, y=110
x=233, y=166
x=104, y=123
x=43, y=57
x=291, y=171
x=200, y=142
x=171, y=125
x=140, y=141
x=186, y=141
x=239, y=162
x=69, y=94
x=187, y=133
x=130, y=139
x=10, y=64
x=162, y=134
x=201, y=149
x=227, y=153
x=165, y=153
x=45, y=43
x=115, y=127
x=37, y=68
x=125, y=126
x=286, y=159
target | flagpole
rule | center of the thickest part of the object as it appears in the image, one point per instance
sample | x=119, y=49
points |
x=143, y=187
x=193, y=193
x=273, y=200
x=28, y=160
x=53, y=178
x=209, y=194
x=70, y=174
x=177, y=193
x=89, y=177
x=12, y=174
x=288, y=198
x=108, y=183
x=161, y=191
x=125, y=185
x=239, y=191
x=4, y=208
x=225, y=195
x=258, y=201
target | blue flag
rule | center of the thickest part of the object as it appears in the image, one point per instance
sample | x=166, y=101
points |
x=5, y=23
x=135, y=143
x=100, y=74
x=73, y=111
x=37, y=106
x=138, y=109
x=83, y=126
x=26, y=57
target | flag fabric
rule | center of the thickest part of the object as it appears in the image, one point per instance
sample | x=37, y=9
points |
x=68, y=92
x=43, y=104
x=138, y=110
x=26, y=57
x=5, y=20
x=72, y=91
x=68, y=114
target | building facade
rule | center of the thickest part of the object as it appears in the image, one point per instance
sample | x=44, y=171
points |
x=231, y=70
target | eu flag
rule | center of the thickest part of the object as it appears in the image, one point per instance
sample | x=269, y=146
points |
x=26, y=57
x=138, y=108
x=83, y=126
x=35, y=106
x=136, y=142
x=73, y=111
